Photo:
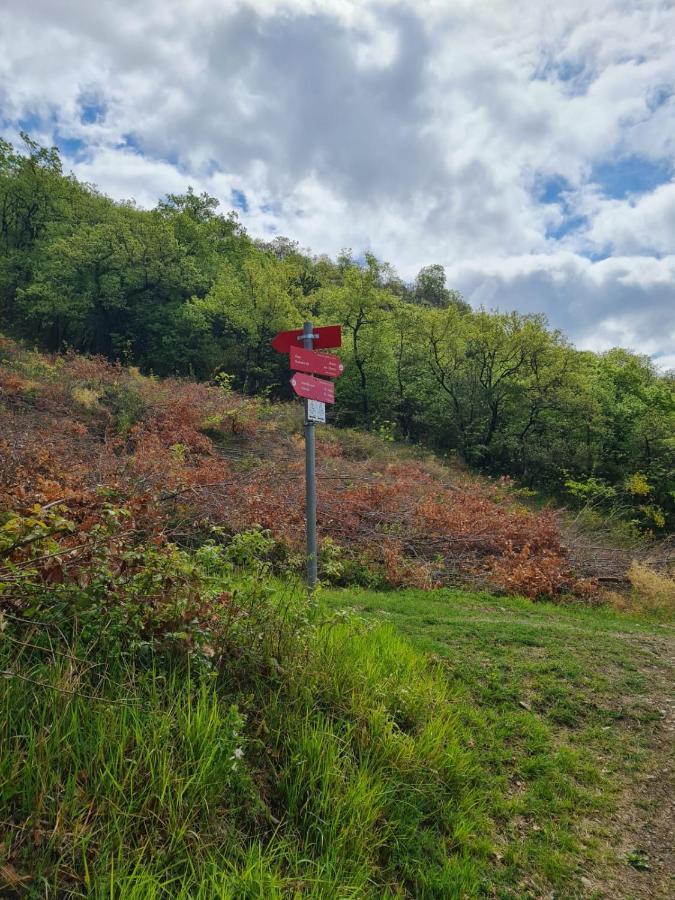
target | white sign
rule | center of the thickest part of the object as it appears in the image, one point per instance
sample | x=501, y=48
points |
x=316, y=411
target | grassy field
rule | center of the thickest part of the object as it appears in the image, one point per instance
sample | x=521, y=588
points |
x=432, y=745
x=569, y=712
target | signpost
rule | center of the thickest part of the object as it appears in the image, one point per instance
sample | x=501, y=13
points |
x=324, y=336
x=313, y=388
x=319, y=363
x=317, y=392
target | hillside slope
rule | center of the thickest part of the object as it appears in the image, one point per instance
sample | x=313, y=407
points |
x=178, y=719
x=184, y=462
x=528, y=757
x=183, y=290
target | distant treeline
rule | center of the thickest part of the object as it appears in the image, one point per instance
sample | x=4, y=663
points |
x=182, y=289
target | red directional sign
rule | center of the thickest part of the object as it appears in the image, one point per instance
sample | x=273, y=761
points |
x=319, y=363
x=328, y=336
x=313, y=388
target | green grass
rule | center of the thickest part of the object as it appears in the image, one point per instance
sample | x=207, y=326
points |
x=454, y=745
x=561, y=706
x=353, y=780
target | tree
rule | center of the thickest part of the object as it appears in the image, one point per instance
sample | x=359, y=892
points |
x=245, y=308
x=32, y=194
x=200, y=208
x=102, y=287
x=360, y=305
x=430, y=289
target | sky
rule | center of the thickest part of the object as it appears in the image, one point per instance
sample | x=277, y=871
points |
x=528, y=147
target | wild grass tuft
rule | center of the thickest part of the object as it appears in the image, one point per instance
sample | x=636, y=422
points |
x=652, y=591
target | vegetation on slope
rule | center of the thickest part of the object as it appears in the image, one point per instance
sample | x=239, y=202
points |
x=148, y=782
x=182, y=290
x=101, y=465
x=176, y=723
x=571, y=712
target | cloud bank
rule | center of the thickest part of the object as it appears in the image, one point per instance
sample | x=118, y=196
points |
x=529, y=147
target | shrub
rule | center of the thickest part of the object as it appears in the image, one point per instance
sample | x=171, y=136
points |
x=250, y=548
x=652, y=591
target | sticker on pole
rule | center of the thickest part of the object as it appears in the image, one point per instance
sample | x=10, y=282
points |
x=313, y=388
x=318, y=363
x=325, y=336
x=316, y=411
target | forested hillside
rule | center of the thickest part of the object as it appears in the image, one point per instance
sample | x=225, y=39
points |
x=183, y=290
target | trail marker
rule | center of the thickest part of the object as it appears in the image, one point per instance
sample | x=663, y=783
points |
x=313, y=388
x=323, y=337
x=316, y=411
x=319, y=363
x=300, y=344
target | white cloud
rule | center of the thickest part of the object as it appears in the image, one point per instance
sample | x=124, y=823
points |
x=128, y=174
x=666, y=362
x=421, y=131
x=620, y=301
x=645, y=224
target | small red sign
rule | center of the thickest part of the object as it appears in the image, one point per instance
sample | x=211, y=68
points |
x=319, y=363
x=328, y=336
x=313, y=388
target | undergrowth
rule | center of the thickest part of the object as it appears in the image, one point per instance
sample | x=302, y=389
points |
x=174, y=460
x=338, y=771
x=176, y=723
x=653, y=592
x=301, y=752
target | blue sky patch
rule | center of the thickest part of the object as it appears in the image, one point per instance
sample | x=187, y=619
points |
x=30, y=124
x=550, y=190
x=70, y=146
x=569, y=224
x=131, y=143
x=568, y=71
x=575, y=76
x=630, y=175
x=659, y=95
x=92, y=111
x=239, y=200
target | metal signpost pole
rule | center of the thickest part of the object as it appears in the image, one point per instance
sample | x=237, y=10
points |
x=317, y=392
x=310, y=479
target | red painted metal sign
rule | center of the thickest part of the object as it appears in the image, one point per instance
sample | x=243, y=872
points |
x=328, y=336
x=313, y=388
x=319, y=363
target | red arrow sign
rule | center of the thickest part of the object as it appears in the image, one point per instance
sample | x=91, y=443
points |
x=319, y=363
x=328, y=336
x=313, y=388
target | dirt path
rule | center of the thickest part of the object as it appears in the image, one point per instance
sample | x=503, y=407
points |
x=643, y=825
